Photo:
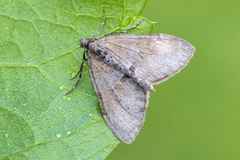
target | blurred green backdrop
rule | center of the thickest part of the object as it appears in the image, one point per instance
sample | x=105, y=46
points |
x=194, y=115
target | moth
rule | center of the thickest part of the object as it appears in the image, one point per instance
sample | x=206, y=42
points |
x=123, y=69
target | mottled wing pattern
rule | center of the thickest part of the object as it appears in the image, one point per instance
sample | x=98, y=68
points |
x=123, y=102
x=153, y=57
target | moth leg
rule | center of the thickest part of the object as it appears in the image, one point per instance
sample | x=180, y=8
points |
x=126, y=30
x=101, y=24
x=76, y=74
x=79, y=72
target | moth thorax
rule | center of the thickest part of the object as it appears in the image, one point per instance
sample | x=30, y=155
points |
x=84, y=42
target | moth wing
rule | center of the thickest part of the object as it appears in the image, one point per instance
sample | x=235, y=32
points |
x=153, y=57
x=123, y=102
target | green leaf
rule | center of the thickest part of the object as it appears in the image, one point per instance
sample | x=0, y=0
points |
x=39, y=52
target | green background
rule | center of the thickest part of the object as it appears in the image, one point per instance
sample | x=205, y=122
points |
x=194, y=115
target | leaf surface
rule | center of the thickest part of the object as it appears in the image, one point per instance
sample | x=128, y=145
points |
x=39, y=52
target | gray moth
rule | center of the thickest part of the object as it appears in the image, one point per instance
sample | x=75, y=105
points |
x=123, y=69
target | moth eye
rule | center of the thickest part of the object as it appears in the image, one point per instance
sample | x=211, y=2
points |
x=81, y=45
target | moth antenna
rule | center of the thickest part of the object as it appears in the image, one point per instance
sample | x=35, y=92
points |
x=126, y=30
x=101, y=24
x=134, y=26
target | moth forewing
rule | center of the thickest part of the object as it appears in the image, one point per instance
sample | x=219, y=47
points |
x=151, y=58
x=123, y=102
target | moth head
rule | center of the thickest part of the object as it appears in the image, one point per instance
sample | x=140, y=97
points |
x=84, y=42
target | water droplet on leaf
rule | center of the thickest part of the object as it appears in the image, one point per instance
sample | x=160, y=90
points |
x=69, y=98
x=6, y=135
x=59, y=135
x=61, y=87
